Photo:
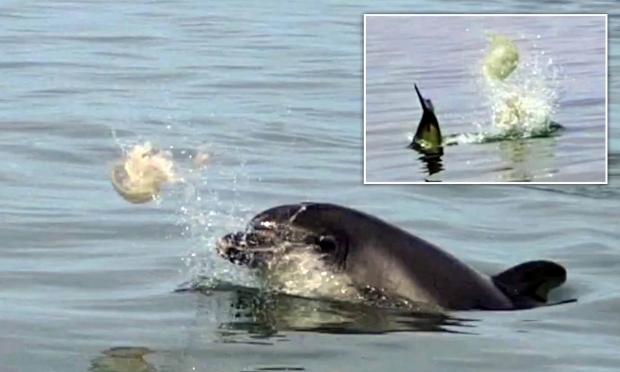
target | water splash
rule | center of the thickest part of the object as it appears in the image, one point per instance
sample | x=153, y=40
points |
x=204, y=214
x=522, y=105
x=300, y=272
x=200, y=210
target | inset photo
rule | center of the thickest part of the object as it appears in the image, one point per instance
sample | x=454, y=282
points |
x=485, y=98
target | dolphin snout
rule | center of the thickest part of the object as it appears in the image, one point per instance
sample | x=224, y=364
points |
x=234, y=247
x=226, y=244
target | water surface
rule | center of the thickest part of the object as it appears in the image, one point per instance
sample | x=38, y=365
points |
x=274, y=93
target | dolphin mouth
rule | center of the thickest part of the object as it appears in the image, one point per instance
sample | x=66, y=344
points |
x=247, y=248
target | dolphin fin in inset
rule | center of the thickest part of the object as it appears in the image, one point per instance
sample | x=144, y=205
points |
x=427, y=137
x=530, y=282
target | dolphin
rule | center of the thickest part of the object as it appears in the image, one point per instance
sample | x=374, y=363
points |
x=380, y=260
x=427, y=139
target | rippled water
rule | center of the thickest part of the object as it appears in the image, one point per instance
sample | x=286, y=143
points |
x=561, y=70
x=274, y=93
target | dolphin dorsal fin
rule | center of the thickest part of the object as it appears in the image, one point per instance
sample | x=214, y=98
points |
x=530, y=281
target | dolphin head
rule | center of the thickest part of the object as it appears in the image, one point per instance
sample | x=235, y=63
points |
x=285, y=230
x=299, y=249
x=325, y=250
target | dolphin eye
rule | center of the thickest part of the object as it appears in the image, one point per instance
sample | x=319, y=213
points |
x=327, y=244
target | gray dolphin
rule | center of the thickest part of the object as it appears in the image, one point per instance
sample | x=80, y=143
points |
x=380, y=258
